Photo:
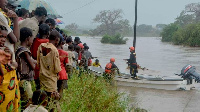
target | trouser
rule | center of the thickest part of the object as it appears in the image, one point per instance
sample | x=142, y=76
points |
x=37, y=83
x=26, y=93
x=133, y=70
x=62, y=84
x=69, y=70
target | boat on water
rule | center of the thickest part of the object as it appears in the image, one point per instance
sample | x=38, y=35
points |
x=184, y=81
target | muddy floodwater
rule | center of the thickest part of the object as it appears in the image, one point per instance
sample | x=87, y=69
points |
x=164, y=59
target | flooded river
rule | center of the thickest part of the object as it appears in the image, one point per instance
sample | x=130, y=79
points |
x=153, y=54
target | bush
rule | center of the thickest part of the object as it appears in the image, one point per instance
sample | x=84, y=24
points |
x=168, y=32
x=190, y=35
x=87, y=93
x=116, y=39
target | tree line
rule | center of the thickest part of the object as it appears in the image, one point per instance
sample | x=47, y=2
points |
x=112, y=24
x=186, y=28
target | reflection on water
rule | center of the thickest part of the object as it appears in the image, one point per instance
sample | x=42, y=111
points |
x=154, y=55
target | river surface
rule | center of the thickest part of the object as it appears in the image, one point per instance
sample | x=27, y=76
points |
x=164, y=58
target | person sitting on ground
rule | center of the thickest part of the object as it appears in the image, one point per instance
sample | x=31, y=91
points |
x=23, y=14
x=39, y=100
x=71, y=60
x=26, y=66
x=49, y=67
x=51, y=22
x=96, y=63
x=63, y=77
x=43, y=38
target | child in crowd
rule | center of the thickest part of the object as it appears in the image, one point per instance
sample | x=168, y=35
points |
x=23, y=14
x=9, y=89
x=44, y=30
x=51, y=22
x=49, y=65
x=63, y=55
x=26, y=66
x=39, y=100
x=43, y=38
x=71, y=60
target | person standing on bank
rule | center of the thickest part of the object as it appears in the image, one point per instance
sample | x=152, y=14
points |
x=132, y=63
x=34, y=22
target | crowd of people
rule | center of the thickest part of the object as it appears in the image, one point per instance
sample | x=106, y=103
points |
x=34, y=52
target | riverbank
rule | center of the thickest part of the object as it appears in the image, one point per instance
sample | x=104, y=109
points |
x=87, y=92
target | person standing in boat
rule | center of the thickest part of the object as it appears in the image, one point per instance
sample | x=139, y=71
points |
x=132, y=63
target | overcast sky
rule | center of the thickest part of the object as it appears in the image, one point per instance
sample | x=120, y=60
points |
x=150, y=12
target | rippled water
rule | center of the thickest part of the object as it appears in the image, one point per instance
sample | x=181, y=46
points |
x=153, y=54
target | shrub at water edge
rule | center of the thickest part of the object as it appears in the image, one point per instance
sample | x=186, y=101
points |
x=90, y=93
x=116, y=39
x=168, y=32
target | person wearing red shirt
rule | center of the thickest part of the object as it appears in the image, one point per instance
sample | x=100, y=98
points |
x=63, y=76
x=42, y=38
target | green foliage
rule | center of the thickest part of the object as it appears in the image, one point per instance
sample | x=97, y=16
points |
x=168, y=32
x=184, y=19
x=87, y=93
x=189, y=35
x=185, y=30
x=66, y=31
x=117, y=39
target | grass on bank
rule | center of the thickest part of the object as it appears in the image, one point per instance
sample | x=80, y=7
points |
x=89, y=93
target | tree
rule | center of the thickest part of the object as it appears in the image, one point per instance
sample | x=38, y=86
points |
x=160, y=26
x=111, y=22
x=168, y=32
x=72, y=27
x=147, y=31
x=184, y=19
x=194, y=8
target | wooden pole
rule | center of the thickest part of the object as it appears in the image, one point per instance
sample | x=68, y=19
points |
x=135, y=25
